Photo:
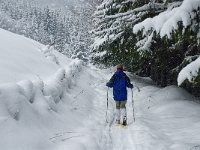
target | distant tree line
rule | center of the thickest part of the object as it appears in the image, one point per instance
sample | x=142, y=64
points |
x=66, y=32
x=41, y=24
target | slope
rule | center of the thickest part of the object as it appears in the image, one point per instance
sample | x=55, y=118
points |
x=65, y=107
x=20, y=58
x=34, y=83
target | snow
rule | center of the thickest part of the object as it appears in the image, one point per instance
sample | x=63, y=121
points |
x=190, y=72
x=167, y=21
x=111, y=26
x=20, y=59
x=145, y=44
x=64, y=107
x=164, y=24
x=100, y=54
x=29, y=98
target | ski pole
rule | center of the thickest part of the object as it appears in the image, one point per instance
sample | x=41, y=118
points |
x=107, y=107
x=133, y=105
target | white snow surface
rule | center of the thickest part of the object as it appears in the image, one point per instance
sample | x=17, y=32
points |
x=65, y=108
x=20, y=58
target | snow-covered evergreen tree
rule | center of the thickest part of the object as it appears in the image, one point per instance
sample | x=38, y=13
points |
x=161, y=29
x=114, y=40
x=172, y=34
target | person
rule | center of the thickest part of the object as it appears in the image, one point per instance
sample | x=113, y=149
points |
x=119, y=82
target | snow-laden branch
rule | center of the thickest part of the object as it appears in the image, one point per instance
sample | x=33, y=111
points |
x=110, y=27
x=132, y=12
x=144, y=44
x=168, y=21
x=190, y=72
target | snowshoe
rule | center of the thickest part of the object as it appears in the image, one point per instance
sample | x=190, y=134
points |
x=117, y=122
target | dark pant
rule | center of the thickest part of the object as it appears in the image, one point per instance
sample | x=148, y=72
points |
x=120, y=104
x=120, y=109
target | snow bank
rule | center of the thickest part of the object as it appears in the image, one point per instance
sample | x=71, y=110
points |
x=168, y=21
x=166, y=118
x=11, y=98
x=32, y=73
x=20, y=58
x=45, y=94
x=189, y=72
x=57, y=85
x=48, y=52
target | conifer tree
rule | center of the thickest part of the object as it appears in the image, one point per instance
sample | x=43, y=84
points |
x=114, y=40
x=178, y=46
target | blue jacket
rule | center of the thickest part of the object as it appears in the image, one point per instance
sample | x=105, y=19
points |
x=119, y=81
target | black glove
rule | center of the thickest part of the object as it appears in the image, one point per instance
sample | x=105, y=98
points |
x=130, y=86
x=109, y=84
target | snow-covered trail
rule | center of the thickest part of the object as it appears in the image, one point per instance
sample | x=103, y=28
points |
x=165, y=118
x=61, y=105
x=89, y=101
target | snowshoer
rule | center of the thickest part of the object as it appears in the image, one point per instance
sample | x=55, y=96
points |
x=119, y=82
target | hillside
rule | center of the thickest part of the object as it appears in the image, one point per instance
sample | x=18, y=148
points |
x=64, y=106
x=22, y=58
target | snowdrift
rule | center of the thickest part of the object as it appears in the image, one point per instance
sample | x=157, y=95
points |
x=34, y=82
x=21, y=60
